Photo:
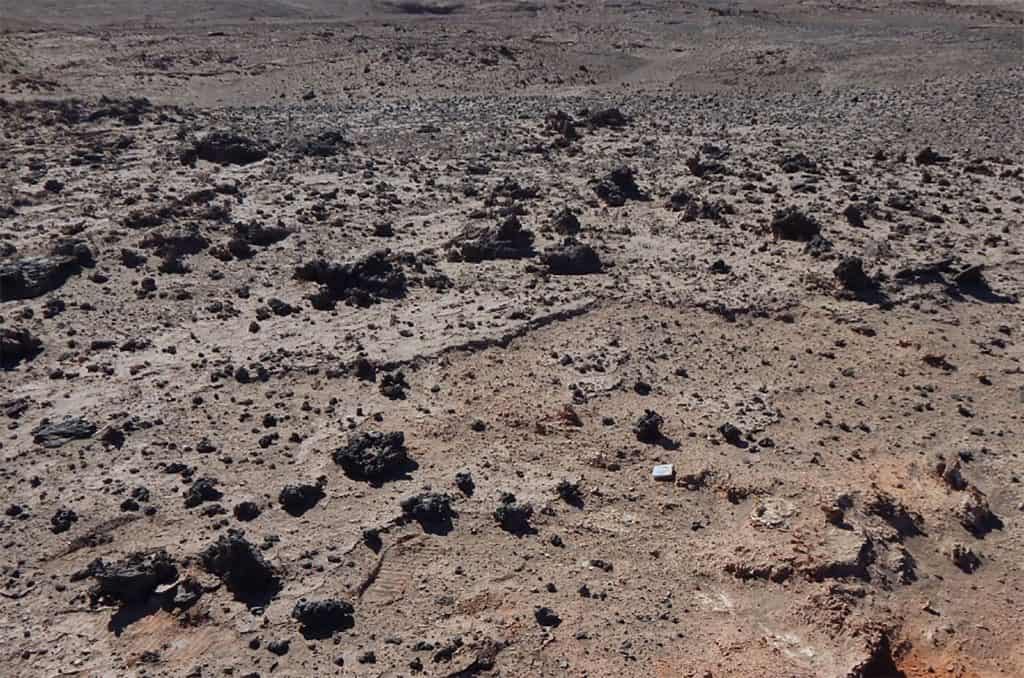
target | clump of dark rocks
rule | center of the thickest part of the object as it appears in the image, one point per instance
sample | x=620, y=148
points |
x=509, y=191
x=618, y=186
x=321, y=618
x=129, y=581
x=393, y=386
x=172, y=244
x=707, y=167
x=374, y=456
x=248, y=235
x=433, y=511
x=571, y=258
x=241, y=567
x=62, y=520
x=505, y=240
x=202, y=490
x=647, y=428
x=564, y=125
x=793, y=224
x=223, y=148
x=362, y=283
x=17, y=345
x=513, y=516
x=297, y=499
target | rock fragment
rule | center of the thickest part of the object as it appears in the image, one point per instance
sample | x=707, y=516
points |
x=17, y=345
x=374, y=456
x=241, y=567
x=618, y=186
x=56, y=434
x=793, y=224
x=321, y=618
x=506, y=240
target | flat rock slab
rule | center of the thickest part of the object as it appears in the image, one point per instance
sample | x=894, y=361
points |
x=59, y=433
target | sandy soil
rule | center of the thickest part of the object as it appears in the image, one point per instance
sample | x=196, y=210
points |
x=777, y=245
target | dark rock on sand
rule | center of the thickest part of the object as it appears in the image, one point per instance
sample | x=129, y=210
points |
x=55, y=434
x=34, y=276
x=506, y=240
x=203, y=489
x=571, y=258
x=647, y=428
x=297, y=499
x=513, y=516
x=374, y=456
x=131, y=580
x=792, y=224
x=321, y=618
x=618, y=186
x=431, y=510
x=17, y=345
x=224, y=148
x=364, y=282
x=241, y=567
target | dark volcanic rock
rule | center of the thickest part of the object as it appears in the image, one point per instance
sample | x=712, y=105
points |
x=16, y=345
x=798, y=162
x=224, y=148
x=618, y=186
x=545, y=616
x=927, y=156
x=607, y=117
x=33, y=276
x=513, y=516
x=246, y=511
x=975, y=515
x=464, y=481
x=965, y=558
x=648, y=427
x=241, y=567
x=572, y=258
x=793, y=224
x=131, y=580
x=62, y=520
x=431, y=510
x=321, y=618
x=362, y=283
x=58, y=433
x=203, y=489
x=393, y=386
x=297, y=499
x=850, y=274
x=255, y=233
x=374, y=456
x=507, y=240
x=565, y=222
x=324, y=144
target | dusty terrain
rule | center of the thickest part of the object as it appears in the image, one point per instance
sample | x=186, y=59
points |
x=775, y=244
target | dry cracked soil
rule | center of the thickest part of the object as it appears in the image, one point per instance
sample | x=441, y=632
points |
x=344, y=338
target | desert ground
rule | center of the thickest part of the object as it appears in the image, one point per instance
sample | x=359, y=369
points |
x=345, y=338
